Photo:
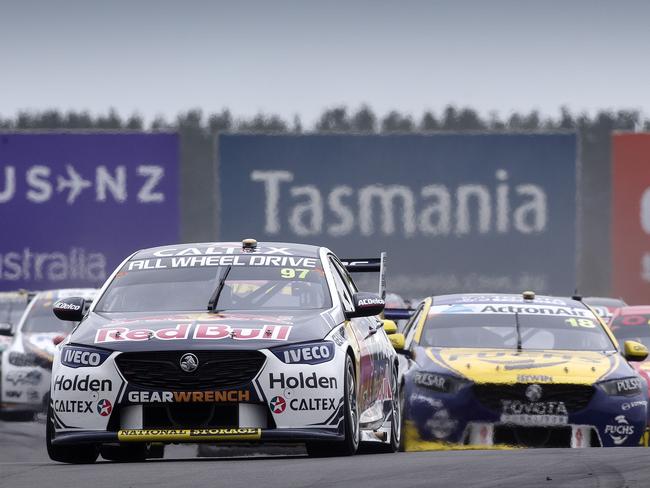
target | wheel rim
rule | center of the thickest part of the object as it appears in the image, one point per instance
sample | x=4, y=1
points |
x=397, y=409
x=352, y=404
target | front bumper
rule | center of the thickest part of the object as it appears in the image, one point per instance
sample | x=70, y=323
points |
x=461, y=419
x=197, y=435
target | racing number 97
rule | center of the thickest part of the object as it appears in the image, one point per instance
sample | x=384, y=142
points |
x=587, y=323
x=290, y=273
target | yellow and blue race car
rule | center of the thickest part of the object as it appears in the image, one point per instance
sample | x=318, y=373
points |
x=526, y=370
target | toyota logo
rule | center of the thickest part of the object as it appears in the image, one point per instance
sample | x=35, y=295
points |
x=189, y=362
x=534, y=393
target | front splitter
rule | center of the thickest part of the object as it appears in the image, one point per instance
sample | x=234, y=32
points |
x=216, y=435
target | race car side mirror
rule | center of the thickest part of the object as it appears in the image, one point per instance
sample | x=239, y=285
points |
x=398, y=341
x=366, y=305
x=70, y=309
x=634, y=351
x=390, y=327
x=6, y=329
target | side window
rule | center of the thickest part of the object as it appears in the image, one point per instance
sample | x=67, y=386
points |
x=411, y=327
x=347, y=278
x=344, y=292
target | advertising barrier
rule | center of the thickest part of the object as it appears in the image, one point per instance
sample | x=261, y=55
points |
x=73, y=205
x=631, y=217
x=455, y=212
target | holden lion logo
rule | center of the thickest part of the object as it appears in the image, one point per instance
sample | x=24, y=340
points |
x=104, y=407
x=278, y=404
x=189, y=362
x=534, y=393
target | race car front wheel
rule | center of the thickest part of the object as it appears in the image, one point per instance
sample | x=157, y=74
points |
x=350, y=445
x=80, y=454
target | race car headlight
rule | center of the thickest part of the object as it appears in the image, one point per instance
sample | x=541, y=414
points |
x=622, y=387
x=305, y=353
x=439, y=382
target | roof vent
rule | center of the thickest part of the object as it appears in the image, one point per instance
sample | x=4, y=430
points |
x=528, y=295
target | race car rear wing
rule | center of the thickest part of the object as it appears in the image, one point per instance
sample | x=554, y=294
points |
x=369, y=265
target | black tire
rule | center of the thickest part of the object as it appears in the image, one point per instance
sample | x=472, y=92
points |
x=396, y=415
x=125, y=453
x=402, y=436
x=350, y=445
x=79, y=454
x=396, y=428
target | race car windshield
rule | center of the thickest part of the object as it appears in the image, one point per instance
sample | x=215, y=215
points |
x=10, y=312
x=191, y=289
x=632, y=328
x=499, y=331
x=41, y=319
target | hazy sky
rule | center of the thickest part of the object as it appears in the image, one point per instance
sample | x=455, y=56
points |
x=162, y=57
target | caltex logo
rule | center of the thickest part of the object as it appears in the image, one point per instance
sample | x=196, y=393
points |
x=278, y=404
x=104, y=407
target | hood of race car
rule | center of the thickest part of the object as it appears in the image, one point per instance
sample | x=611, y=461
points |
x=225, y=330
x=510, y=366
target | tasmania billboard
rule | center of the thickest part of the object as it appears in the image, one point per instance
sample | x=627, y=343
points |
x=631, y=217
x=73, y=205
x=455, y=212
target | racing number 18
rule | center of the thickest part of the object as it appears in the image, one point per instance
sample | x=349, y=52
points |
x=588, y=323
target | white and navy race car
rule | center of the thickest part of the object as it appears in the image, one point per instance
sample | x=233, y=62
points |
x=225, y=342
x=12, y=306
x=27, y=362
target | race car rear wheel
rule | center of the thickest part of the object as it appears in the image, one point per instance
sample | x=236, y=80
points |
x=349, y=446
x=395, y=418
x=402, y=435
x=81, y=454
x=396, y=413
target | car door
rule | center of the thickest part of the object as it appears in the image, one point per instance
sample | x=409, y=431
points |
x=373, y=361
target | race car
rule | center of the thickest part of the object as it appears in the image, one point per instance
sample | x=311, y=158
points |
x=633, y=323
x=525, y=370
x=224, y=342
x=12, y=305
x=27, y=362
x=605, y=307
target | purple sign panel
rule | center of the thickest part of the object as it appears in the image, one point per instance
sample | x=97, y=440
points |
x=74, y=205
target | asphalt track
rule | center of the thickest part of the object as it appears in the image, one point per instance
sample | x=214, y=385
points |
x=24, y=463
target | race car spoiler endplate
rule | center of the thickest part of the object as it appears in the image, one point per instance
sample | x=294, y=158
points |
x=192, y=436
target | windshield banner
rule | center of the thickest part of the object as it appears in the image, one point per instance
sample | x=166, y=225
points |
x=74, y=205
x=455, y=212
